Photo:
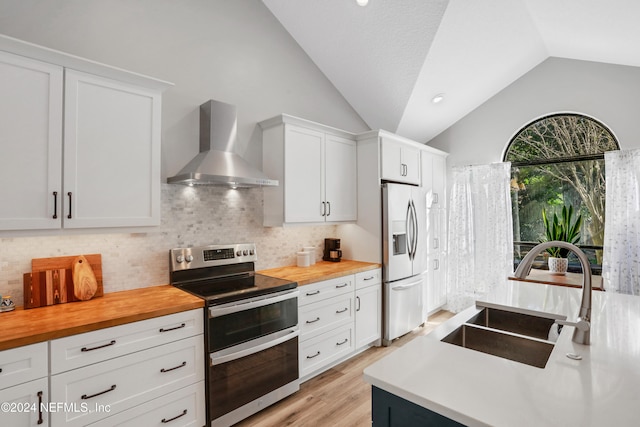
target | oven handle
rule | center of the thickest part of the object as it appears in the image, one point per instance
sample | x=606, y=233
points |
x=221, y=310
x=272, y=341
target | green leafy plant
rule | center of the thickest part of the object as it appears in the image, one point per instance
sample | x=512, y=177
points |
x=562, y=229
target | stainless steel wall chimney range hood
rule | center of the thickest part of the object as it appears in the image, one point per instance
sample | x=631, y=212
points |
x=217, y=163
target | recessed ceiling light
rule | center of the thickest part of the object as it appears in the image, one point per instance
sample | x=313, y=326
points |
x=362, y=2
x=438, y=98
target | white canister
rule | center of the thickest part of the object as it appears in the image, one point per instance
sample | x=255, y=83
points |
x=312, y=253
x=303, y=259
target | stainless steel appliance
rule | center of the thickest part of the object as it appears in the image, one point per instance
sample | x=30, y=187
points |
x=404, y=258
x=251, y=329
x=332, y=251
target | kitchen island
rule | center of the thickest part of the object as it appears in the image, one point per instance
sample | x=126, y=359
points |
x=477, y=389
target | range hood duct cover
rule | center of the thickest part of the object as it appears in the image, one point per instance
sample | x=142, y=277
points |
x=217, y=163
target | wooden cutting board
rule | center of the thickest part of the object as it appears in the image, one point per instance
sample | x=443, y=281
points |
x=51, y=280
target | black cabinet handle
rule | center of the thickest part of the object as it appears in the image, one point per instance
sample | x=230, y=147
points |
x=313, y=321
x=312, y=293
x=173, y=329
x=164, y=420
x=55, y=205
x=70, y=210
x=369, y=278
x=98, y=347
x=329, y=208
x=174, y=368
x=343, y=342
x=342, y=311
x=358, y=299
x=40, y=420
x=85, y=397
x=315, y=355
x=324, y=209
x=344, y=285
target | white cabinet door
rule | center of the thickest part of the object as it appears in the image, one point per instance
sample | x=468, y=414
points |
x=31, y=143
x=304, y=175
x=368, y=315
x=24, y=404
x=400, y=162
x=112, y=153
x=341, y=179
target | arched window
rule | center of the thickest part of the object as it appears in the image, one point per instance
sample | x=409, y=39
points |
x=558, y=161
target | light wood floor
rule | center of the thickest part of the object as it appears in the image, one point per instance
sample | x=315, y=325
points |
x=337, y=397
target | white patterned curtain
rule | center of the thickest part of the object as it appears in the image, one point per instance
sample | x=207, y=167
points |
x=480, y=252
x=621, y=253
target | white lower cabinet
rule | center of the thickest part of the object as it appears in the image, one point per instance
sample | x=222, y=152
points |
x=24, y=390
x=368, y=314
x=337, y=317
x=25, y=404
x=182, y=408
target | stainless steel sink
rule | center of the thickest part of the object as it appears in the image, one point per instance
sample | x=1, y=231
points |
x=511, y=334
x=518, y=323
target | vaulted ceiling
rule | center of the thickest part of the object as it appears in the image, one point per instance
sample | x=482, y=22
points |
x=390, y=58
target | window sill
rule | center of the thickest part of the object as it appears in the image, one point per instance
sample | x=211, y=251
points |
x=572, y=280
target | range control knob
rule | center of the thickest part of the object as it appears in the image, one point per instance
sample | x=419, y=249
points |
x=180, y=259
x=252, y=252
x=189, y=258
x=239, y=253
x=245, y=252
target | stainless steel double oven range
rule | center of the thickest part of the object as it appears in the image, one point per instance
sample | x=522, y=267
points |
x=251, y=329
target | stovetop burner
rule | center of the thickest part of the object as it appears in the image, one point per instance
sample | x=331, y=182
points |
x=222, y=273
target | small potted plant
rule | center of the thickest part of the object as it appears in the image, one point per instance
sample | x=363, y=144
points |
x=564, y=230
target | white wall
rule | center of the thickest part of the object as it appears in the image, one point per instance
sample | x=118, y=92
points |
x=608, y=93
x=229, y=50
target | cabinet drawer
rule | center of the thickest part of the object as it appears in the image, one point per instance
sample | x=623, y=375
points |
x=118, y=384
x=368, y=278
x=28, y=395
x=326, y=289
x=181, y=408
x=324, y=349
x=325, y=315
x=23, y=364
x=92, y=347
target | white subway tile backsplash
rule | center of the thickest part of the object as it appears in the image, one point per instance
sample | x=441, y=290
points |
x=191, y=216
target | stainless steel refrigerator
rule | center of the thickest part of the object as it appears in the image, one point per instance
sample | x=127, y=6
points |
x=404, y=258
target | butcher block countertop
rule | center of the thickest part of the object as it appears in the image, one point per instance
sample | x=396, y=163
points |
x=21, y=327
x=321, y=270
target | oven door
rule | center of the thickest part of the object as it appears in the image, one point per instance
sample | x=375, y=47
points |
x=242, y=321
x=248, y=377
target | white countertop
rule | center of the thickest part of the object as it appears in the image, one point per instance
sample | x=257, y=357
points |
x=478, y=389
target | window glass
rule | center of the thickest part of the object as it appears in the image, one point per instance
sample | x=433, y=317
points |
x=559, y=161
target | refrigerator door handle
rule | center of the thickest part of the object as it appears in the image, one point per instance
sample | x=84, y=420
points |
x=416, y=229
x=409, y=226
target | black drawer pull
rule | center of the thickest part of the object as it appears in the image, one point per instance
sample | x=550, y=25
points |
x=70, y=210
x=344, y=285
x=369, y=278
x=342, y=311
x=313, y=321
x=40, y=420
x=55, y=208
x=0, y=370
x=85, y=397
x=98, y=347
x=174, y=368
x=173, y=329
x=315, y=355
x=312, y=293
x=343, y=342
x=164, y=420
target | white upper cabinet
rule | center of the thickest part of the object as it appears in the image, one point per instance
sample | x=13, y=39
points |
x=30, y=143
x=106, y=121
x=316, y=168
x=112, y=153
x=400, y=161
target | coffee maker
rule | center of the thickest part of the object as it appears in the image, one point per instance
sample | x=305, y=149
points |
x=332, y=250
